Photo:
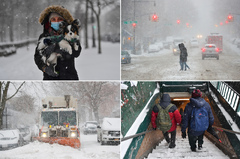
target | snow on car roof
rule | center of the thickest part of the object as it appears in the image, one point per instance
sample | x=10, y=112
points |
x=111, y=124
x=8, y=133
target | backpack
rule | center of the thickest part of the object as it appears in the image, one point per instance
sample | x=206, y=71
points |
x=164, y=122
x=199, y=119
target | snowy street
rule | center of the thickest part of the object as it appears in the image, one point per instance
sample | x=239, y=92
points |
x=163, y=65
x=90, y=148
x=90, y=65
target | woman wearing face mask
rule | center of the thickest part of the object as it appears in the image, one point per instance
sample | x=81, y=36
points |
x=50, y=18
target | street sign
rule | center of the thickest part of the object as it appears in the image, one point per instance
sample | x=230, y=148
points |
x=129, y=22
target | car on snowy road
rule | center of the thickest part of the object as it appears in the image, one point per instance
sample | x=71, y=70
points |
x=175, y=47
x=210, y=50
x=90, y=127
x=109, y=132
x=125, y=57
x=153, y=48
x=194, y=43
x=10, y=138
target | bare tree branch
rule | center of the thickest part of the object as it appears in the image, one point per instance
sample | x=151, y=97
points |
x=16, y=91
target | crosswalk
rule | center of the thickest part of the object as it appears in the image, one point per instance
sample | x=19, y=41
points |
x=182, y=150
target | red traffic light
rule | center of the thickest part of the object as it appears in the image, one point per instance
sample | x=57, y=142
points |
x=230, y=18
x=178, y=21
x=154, y=17
x=134, y=24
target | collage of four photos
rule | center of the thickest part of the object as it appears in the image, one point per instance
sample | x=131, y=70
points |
x=119, y=79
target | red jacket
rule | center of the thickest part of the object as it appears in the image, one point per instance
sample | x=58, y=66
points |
x=174, y=116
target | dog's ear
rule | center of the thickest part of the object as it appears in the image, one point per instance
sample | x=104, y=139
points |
x=77, y=23
x=62, y=24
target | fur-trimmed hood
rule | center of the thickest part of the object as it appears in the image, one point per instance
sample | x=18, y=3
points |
x=55, y=9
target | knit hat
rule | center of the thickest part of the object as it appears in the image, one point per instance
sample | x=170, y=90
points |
x=196, y=93
x=54, y=15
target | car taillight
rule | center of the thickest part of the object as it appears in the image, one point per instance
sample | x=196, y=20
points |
x=203, y=49
x=217, y=49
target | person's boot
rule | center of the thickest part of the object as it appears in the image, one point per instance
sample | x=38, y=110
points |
x=166, y=137
x=173, y=138
x=193, y=149
x=199, y=147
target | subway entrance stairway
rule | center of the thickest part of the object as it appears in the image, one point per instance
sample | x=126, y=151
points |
x=140, y=141
x=182, y=150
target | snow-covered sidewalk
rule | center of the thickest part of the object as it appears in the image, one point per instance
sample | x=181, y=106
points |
x=90, y=65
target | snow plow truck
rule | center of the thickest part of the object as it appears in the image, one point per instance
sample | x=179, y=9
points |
x=59, y=121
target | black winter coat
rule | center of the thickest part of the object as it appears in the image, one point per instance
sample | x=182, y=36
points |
x=183, y=54
x=65, y=65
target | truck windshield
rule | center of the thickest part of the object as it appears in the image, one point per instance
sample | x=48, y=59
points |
x=49, y=118
x=67, y=117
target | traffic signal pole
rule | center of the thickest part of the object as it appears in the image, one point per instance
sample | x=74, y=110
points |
x=134, y=49
x=134, y=34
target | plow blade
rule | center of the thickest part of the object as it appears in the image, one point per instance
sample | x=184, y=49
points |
x=75, y=143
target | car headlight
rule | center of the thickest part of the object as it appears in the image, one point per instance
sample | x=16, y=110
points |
x=174, y=50
x=44, y=134
x=73, y=134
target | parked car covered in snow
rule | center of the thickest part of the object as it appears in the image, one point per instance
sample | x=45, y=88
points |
x=10, y=50
x=109, y=132
x=2, y=51
x=90, y=127
x=10, y=138
x=26, y=134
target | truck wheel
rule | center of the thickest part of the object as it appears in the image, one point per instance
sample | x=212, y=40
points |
x=102, y=143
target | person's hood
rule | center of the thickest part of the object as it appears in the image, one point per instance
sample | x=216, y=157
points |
x=44, y=16
x=197, y=102
x=165, y=100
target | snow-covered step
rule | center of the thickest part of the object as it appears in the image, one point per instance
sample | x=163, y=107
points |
x=182, y=150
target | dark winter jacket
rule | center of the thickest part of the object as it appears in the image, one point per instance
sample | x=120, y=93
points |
x=183, y=54
x=197, y=102
x=173, y=112
x=65, y=64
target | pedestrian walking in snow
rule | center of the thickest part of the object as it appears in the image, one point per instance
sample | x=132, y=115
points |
x=51, y=19
x=158, y=118
x=197, y=118
x=183, y=57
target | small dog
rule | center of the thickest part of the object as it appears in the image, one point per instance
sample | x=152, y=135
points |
x=70, y=36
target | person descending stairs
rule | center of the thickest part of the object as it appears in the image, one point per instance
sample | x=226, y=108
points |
x=182, y=150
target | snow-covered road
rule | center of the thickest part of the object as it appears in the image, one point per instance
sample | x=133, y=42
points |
x=90, y=65
x=90, y=149
x=165, y=66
